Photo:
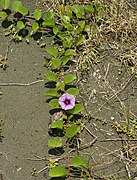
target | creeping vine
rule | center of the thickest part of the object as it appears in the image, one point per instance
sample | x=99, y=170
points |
x=70, y=29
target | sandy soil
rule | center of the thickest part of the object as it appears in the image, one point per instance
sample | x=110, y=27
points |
x=23, y=110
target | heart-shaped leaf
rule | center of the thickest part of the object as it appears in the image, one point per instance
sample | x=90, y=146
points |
x=23, y=10
x=56, y=142
x=70, y=52
x=73, y=91
x=55, y=29
x=69, y=78
x=57, y=171
x=54, y=103
x=20, y=24
x=37, y=14
x=35, y=26
x=72, y=131
x=65, y=59
x=89, y=8
x=16, y=5
x=78, y=161
x=52, y=51
x=5, y=4
x=51, y=76
x=57, y=124
x=3, y=15
x=49, y=23
x=79, y=40
x=78, y=108
x=55, y=63
x=51, y=92
x=49, y=15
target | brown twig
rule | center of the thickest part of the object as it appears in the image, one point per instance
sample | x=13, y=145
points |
x=21, y=84
x=117, y=139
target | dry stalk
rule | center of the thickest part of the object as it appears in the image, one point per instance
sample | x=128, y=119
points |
x=20, y=84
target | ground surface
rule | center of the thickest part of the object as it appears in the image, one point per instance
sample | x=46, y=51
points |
x=110, y=99
x=24, y=110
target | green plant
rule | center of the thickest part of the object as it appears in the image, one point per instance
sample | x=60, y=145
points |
x=70, y=29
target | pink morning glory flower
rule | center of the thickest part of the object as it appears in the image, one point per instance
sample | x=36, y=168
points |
x=67, y=101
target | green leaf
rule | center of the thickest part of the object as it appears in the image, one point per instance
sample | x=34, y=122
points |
x=37, y=14
x=51, y=92
x=70, y=52
x=78, y=108
x=66, y=38
x=55, y=63
x=69, y=26
x=65, y=18
x=52, y=51
x=72, y=131
x=57, y=171
x=54, y=103
x=69, y=78
x=79, y=30
x=55, y=29
x=73, y=91
x=5, y=4
x=3, y=15
x=81, y=24
x=56, y=142
x=89, y=8
x=78, y=10
x=79, y=40
x=66, y=22
x=49, y=23
x=57, y=124
x=51, y=76
x=16, y=5
x=60, y=86
x=49, y=15
x=78, y=161
x=35, y=26
x=20, y=24
x=68, y=10
x=23, y=10
x=65, y=59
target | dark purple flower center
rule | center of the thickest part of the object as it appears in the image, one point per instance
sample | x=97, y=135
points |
x=67, y=101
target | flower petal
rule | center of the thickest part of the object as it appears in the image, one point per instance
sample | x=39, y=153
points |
x=72, y=102
x=69, y=107
x=69, y=96
x=62, y=104
x=62, y=98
